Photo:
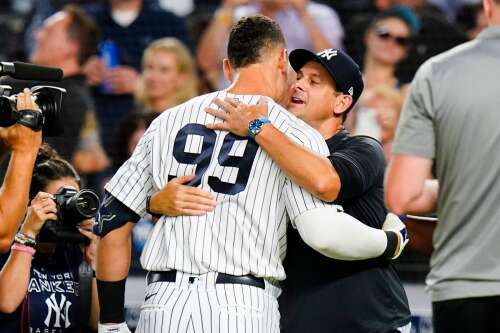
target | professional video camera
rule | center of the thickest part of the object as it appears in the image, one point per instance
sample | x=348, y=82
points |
x=48, y=99
x=73, y=207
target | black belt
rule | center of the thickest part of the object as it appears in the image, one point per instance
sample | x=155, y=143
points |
x=169, y=276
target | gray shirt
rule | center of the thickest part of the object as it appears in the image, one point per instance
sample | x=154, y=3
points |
x=453, y=117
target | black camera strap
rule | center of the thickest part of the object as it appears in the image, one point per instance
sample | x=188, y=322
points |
x=30, y=118
x=85, y=274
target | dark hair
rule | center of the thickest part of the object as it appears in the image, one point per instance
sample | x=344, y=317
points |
x=83, y=30
x=250, y=37
x=126, y=128
x=404, y=13
x=49, y=166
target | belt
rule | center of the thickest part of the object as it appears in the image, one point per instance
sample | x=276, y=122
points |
x=222, y=278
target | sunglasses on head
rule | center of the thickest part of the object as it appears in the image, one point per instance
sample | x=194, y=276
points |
x=386, y=35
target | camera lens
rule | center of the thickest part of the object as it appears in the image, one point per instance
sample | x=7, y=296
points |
x=86, y=203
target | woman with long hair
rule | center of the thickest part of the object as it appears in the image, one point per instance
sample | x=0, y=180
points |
x=41, y=287
x=168, y=77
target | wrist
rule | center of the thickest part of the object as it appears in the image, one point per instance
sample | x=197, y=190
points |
x=151, y=210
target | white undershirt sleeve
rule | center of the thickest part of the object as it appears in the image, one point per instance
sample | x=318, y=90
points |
x=338, y=235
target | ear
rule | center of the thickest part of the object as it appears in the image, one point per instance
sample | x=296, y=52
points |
x=487, y=8
x=342, y=103
x=73, y=49
x=227, y=69
x=283, y=61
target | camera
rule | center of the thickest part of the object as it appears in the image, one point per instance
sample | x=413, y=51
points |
x=73, y=207
x=48, y=99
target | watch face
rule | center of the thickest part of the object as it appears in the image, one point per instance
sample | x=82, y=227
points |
x=254, y=127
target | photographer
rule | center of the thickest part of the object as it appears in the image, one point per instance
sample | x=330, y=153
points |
x=40, y=289
x=23, y=144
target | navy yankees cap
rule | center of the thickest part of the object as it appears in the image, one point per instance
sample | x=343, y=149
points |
x=344, y=71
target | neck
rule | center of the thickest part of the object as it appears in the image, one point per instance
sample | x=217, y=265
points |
x=376, y=72
x=328, y=128
x=495, y=15
x=254, y=80
x=160, y=104
x=126, y=5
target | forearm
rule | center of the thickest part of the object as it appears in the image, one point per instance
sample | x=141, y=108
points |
x=318, y=39
x=14, y=279
x=340, y=236
x=426, y=202
x=309, y=170
x=14, y=195
x=113, y=263
x=113, y=259
x=213, y=39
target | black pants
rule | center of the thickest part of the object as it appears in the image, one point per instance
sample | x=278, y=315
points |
x=467, y=315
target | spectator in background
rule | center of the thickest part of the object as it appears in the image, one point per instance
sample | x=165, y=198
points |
x=305, y=24
x=26, y=305
x=168, y=76
x=436, y=35
x=41, y=10
x=378, y=115
x=388, y=40
x=131, y=25
x=66, y=40
x=449, y=125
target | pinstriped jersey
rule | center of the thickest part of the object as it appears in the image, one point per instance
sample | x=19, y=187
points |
x=246, y=232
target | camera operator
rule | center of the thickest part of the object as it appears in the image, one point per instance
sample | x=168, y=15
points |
x=23, y=144
x=40, y=289
x=66, y=40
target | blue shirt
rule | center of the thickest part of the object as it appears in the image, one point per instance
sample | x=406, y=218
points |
x=152, y=23
x=52, y=304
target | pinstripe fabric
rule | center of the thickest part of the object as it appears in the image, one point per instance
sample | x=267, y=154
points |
x=203, y=306
x=245, y=234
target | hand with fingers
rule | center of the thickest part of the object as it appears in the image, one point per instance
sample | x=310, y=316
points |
x=90, y=250
x=236, y=116
x=42, y=209
x=19, y=137
x=177, y=198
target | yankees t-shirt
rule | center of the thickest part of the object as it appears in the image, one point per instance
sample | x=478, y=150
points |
x=52, y=304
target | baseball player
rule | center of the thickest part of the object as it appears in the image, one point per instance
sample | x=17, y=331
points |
x=220, y=272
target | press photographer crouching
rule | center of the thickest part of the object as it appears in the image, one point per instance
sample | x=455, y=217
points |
x=46, y=284
x=22, y=142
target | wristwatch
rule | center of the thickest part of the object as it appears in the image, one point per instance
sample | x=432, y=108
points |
x=255, y=126
x=148, y=208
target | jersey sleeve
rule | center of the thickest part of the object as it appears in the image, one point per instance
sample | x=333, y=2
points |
x=133, y=182
x=298, y=200
x=360, y=165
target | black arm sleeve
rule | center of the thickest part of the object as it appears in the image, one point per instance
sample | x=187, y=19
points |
x=359, y=165
x=112, y=215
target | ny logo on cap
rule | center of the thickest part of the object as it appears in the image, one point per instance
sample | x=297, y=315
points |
x=328, y=54
x=351, y=91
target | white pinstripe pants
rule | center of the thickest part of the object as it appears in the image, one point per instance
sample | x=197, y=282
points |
x=194, y=303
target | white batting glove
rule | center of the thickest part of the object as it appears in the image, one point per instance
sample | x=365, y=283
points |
x=113, y=328
x=393, y=223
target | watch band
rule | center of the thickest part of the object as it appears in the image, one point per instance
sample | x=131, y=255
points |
x=148, y=209
x=255, y=126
